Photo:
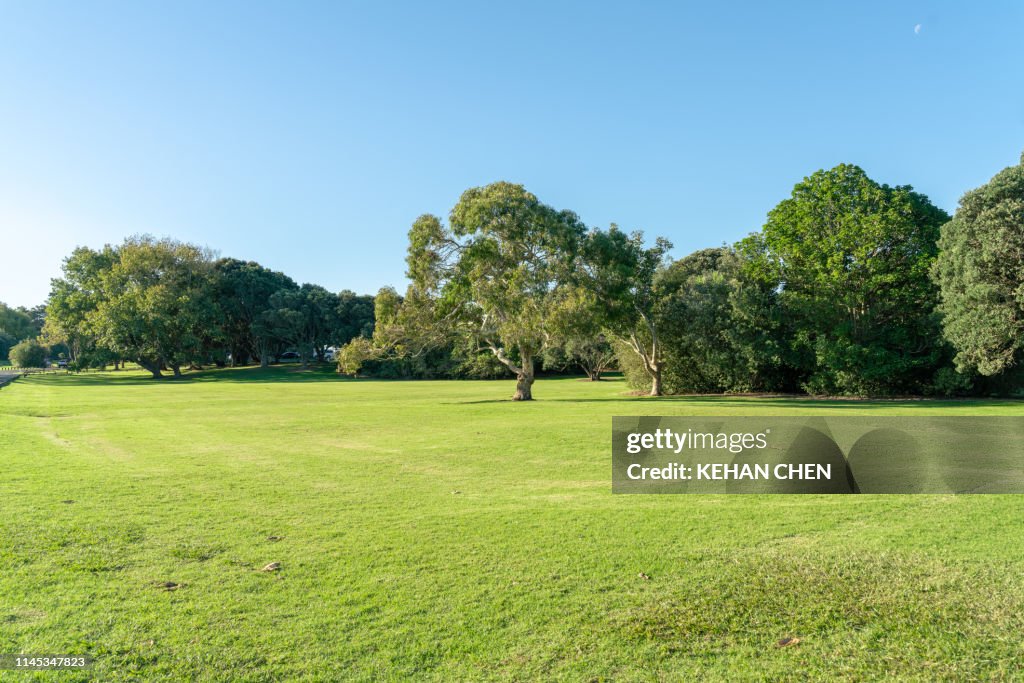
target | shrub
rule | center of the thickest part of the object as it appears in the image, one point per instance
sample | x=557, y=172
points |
x=28, y=354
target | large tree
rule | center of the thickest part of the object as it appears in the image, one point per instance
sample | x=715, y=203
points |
x=244, y=289
x=980, y=271
x=492, y=273
x=156, y=304
x=72, y=298
x=850, y=258
x=304, y=318
x=696, y=316
x=355, y=317
x=620, y=272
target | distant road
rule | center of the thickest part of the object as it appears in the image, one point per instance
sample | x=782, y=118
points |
x=8, y=377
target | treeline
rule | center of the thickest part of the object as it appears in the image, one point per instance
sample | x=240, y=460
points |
x=19, y=327
x=167, y=305
x=850, y=288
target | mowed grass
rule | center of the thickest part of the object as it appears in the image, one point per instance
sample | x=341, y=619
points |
x=435, y=530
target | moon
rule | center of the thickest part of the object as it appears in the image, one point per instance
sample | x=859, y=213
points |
x=917, y=29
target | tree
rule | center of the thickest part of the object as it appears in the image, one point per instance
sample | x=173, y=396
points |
x=493, y=273
x=696, y=297
x=850, y=260
x=28, y=354
x=620, y=272
x=980, y=273
x=353, y=355
x=354, y=317
x=72, y=298
x=303, y=318
x=579, y=334
x=157, y=304
x=17, y=322
x=244, y=289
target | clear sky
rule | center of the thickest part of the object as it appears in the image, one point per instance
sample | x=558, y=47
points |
x=308, y=136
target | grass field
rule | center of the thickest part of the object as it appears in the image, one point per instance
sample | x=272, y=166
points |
x=433, y=530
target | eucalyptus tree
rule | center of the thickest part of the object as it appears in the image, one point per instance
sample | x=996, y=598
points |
x=620, y=272
x=493, y=273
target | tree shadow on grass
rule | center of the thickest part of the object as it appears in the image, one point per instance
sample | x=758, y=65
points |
x=787, y=402
x=251, y=375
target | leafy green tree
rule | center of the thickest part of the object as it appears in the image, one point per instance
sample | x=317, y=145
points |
x=850, y=259
x=244, y=289
x=354, y=355
x=355, y=317
x=157, y=304
x=303, y=318
x=695, y=314
x=28, y=354
x=17, y=322
x=492, y=274
x=980, y=272
x=620, y=271
x=72, y=298
x=579, y=334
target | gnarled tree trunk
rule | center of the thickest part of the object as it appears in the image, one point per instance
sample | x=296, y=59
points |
x=524, y=384
x=524, y=371
x=151, y=366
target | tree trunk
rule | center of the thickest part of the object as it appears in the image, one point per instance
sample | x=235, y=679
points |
x=154, y=368
x=656, y=380
x=177, y=370
x=524, y=378
x=524, y=383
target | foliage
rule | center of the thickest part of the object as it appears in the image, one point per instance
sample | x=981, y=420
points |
x=156, y=305
x=72, y=298
x=353, y=355
x=355, y=317
x=28, y=354
x=6, y=342
x=17, y=323
x=243, y=290
x=980, y=272
x=578, y=334
x=493, y=274
x=620, y=273
x=850, y=259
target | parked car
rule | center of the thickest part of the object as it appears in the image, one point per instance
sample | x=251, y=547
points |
x=289, y=357
x=62, y=363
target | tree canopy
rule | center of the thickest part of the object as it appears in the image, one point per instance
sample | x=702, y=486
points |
x=850, y=259
x=492, y=273
x=980, y=271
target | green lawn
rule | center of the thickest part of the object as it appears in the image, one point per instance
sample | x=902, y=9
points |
x=433, y=530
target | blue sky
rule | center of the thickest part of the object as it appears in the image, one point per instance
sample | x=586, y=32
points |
x=308, y=136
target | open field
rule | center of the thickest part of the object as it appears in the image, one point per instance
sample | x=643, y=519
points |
x=432, y=530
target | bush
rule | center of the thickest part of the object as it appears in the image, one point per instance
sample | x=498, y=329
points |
x=28, y=354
